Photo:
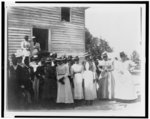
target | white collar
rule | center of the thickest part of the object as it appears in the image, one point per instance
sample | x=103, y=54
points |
x=15, y=66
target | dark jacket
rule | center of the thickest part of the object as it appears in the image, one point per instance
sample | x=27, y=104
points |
x=27, y=77
x=15, y=78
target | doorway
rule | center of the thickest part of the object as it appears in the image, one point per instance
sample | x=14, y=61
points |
x=42, y=37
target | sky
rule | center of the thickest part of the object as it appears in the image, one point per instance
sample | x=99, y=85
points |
x=117, y=24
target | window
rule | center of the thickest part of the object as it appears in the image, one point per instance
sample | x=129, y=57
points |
x=65, y=14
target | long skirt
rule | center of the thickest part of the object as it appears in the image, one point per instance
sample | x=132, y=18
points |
x=89, y=86
x=64, y=93
x=106, y=87
x=49, y=89
x=78, y=89
x=124, y=86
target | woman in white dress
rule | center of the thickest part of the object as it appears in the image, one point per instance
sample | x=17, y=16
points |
x=91, y=62
x=124, y=85
x=26, y=47
x=106, y=80
x=89, y=85
x=76, y=72
x=64, y=93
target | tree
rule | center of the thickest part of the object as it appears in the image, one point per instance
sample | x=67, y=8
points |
x=88, y=38
x=96, y=46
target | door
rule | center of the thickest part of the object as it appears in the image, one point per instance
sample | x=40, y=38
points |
x=42, y=37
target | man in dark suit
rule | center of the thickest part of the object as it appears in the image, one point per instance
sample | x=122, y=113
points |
x=14, y=84
x=27, y=79
x=40, y=74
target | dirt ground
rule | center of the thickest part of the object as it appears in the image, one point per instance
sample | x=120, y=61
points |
x=104, y=107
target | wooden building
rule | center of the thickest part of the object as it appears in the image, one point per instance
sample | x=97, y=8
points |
x=58, y=29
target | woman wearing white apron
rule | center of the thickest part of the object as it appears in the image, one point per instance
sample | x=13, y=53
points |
x=89, y=86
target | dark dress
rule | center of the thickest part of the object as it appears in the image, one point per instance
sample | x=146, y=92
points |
x=14, y=87
x=27, y=78
x=50, y=83
x=40, y=73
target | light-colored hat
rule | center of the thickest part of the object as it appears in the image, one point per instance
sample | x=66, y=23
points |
x=19, y=53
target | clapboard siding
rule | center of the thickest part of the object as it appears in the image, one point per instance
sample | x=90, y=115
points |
x=71, y=38
x=77, y=15
x=15, y=37
x=65, y=36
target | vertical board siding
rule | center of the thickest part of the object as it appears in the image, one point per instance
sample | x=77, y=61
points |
x=65, y=36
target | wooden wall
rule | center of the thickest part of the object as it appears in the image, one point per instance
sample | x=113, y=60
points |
x=66, y=37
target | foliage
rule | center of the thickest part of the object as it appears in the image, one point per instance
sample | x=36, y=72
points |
x=96, y=46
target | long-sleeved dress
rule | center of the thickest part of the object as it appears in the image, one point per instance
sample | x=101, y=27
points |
x=50, y=83
x=64, y=93
x=26, y=47
x=89, y=85
x=35, y=48
x=76, y=71
x=106, y=81
x=124, y=85
x=27, y=79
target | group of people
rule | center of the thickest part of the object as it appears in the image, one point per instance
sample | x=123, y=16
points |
x=67, y=80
